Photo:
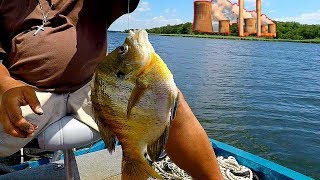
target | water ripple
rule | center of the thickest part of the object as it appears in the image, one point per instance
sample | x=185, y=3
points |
x=263, y=97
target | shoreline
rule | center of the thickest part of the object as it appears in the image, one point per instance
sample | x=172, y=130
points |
x=314, y=41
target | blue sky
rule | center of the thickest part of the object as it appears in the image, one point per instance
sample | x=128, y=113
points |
x=155, y=13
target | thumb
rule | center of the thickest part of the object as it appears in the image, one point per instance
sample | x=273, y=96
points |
x=32, y=100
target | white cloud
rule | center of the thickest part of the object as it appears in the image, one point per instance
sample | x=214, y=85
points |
x=170, y=11
x=305, y=18
x=138, y=23
x=251, y=4
x=272, y=11
x=162, y=21
x=143, y=6
x=144, y=18
x=245, y=1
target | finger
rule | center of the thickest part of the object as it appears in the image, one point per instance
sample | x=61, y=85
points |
x=10, y=129
x=35, y=126
x=25, y=126
x=15, y=116
x=32, y=100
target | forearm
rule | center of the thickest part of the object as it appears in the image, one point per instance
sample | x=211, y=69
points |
x=3, y=71
x=189, y=147
x=6, y=81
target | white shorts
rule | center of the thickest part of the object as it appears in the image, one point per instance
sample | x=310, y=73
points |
x=55, y=106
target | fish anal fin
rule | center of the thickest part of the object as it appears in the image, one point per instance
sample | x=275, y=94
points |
x=137, y=169
x=135, y=96
x=155, y=150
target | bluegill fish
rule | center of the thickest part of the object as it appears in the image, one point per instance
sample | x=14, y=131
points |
x=134, y=99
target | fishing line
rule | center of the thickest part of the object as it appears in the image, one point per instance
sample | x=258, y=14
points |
x=128, y=15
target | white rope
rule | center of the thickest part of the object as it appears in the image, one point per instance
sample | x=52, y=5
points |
x=168, y=170
x=230, y=169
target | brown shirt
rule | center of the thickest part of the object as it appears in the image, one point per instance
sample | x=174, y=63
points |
x=63, y=57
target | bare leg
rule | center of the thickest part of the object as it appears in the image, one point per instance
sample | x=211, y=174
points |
x=188, y=145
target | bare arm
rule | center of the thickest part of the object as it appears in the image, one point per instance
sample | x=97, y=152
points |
x=14, y=94
x=189, y=147
x=5, y=81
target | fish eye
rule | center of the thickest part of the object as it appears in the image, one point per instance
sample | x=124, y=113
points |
x=123, y=49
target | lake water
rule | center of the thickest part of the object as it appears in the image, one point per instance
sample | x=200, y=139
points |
x=262, y=97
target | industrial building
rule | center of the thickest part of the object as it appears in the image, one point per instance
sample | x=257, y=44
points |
x=216, y=16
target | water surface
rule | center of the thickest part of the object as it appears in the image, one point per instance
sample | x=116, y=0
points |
x=262, y=97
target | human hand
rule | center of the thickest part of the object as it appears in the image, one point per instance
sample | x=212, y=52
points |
x=14, y=95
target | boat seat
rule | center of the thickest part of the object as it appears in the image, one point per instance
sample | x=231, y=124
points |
x=66, y=134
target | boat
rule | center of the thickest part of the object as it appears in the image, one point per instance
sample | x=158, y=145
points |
x=263, y=168
x=95, y=162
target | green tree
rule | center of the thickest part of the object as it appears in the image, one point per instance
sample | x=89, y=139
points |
x=234, y=29
x=297, y=31
x=285, y=30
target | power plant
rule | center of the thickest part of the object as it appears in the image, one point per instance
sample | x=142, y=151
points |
x=216, y=16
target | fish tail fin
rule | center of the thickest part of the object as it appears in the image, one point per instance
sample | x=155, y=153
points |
x=137, y=170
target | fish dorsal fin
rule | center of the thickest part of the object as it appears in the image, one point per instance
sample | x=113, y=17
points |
x=155, y=150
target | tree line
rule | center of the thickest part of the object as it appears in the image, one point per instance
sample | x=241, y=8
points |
x=285, y=30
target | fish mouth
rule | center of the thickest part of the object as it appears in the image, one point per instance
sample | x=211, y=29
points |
x=120, y=75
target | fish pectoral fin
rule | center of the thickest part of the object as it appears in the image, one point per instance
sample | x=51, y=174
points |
x=155, y=150
x=135, y=96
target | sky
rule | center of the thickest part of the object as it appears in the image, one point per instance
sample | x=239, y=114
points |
x=156, y=13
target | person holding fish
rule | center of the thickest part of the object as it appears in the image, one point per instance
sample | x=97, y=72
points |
x=51, y=50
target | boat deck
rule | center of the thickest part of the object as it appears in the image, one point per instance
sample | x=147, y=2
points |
x=102, y=165
x=96, y=165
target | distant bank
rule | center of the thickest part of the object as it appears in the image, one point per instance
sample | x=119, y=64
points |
x=317, y=40
x=286, y=32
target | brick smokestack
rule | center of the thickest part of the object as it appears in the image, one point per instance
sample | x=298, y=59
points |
x=264, y=29
x=258, y=10
x=272, y=30
x=250, y=26
x=224, y=27
x=202, y=21
x=241, y=16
